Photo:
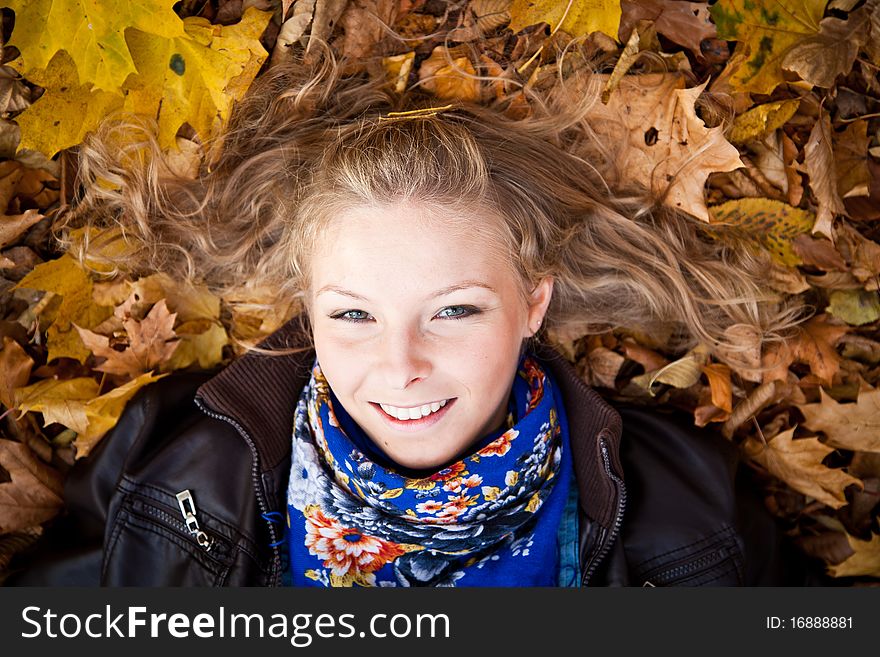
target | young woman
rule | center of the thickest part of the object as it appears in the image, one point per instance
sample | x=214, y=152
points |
x=410, y=427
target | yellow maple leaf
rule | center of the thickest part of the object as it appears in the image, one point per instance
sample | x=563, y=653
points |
x=202, y=341
x=850, y=426
x=66, y=112
x=767, y=31
x=92, y=33
x=194, y=78
x=64, y=277
x=75, y=403
x=799, y=464
x=576, y=17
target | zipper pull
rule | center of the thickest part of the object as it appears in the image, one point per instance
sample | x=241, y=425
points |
x=188, y=509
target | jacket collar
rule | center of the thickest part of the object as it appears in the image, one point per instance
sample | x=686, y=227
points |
x=259, y=393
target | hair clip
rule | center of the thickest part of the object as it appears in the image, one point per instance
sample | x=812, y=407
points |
x=416, y=113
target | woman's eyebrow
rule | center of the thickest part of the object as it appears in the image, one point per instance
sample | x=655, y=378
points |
x=439, y=293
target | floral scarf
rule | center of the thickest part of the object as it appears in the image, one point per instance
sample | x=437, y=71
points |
x=489, y=519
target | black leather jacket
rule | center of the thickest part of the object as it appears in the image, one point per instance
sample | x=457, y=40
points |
x=658, y=504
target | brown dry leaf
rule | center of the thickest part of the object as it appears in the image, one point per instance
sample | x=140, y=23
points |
x=758, y=399
x=35, y=493
x=821, y=58
x=449, y=79
x=799, y=464
x=364, y=24
x=814, y=344
x=294, y=27
x=647, y=358
x=681, y=373
x=15, y=370
x=849, y=426
x=864, y=561
x=684, y=23
x=862, y=254
x=152, y=342
x=851, y=160
x=604, y=366
x=671, y=150
x=819, y=253
x=718, y=375
x=819, y=162
x=15, y=95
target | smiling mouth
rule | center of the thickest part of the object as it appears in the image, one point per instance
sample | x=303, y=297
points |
x=413, y=417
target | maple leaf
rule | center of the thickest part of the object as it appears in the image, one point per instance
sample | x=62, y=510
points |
x=864, y=561
x=671, y=150
x=799, y=464
x=575, y=18
x=196, y=77
x=767, y=31
x=67, y=111
x=849, y=426
x=820, y=59
x=35, y=492
x=93, y=33
x=75, y=403
x=813, y=344
x=449, y=80
x=65, y=277
x=152, y=342
x=201, y=341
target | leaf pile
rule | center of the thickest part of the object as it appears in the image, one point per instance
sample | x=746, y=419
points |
x=759, y=120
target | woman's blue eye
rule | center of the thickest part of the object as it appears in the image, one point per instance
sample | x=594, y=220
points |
x=463, y=313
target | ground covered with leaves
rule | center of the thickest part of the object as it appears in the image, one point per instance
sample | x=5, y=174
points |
x=765, y=114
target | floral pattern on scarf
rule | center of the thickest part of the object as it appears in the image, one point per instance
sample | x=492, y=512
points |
x=489, y=519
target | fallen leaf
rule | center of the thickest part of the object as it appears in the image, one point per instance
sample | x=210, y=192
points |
x=604, y=366
x=201, y=341
x=861, y=254
x=364, y=23
x=718, y=375
x=813, y=344
x=152, y=342
x=855, y=307
x=575, y=18
x=294, y=28
x=203, y=78
x=851, y=160
x=819, y=162
x=14, y=94
x=684, y=23
x=92, y=33
x=681, y=373
x=799, y=464
x=67, y=279
x=35, y=492
x=766, y=32
x=772, y=224
x=864, y=561
x=659, y=120
x=819, y=252
x=761, y=120
x=15, y=370
x=75, y=403
x=821, y=58
x=449, y=77
x=849, y=426
x=758, y=399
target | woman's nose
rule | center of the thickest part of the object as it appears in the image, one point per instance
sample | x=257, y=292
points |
x=404, y=357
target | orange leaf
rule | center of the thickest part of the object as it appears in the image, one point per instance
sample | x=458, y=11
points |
x=814, y=344
x=34, y=494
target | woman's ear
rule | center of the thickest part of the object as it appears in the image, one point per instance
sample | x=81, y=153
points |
x=539, y=300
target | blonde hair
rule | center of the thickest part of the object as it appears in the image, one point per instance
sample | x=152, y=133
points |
x=308, y=141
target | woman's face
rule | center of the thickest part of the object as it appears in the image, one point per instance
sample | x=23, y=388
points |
x=408, y=314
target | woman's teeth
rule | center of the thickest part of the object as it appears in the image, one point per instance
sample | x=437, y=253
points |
x=413, y=413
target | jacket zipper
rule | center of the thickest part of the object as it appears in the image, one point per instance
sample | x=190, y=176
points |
x=188, y=510
x=258, y=486
x=606, y=539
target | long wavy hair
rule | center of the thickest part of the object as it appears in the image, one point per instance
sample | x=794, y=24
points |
x=308, y=141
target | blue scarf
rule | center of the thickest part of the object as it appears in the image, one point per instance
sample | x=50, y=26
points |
x=490, y=519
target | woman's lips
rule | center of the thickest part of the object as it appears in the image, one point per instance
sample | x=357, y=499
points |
x=414, y=425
